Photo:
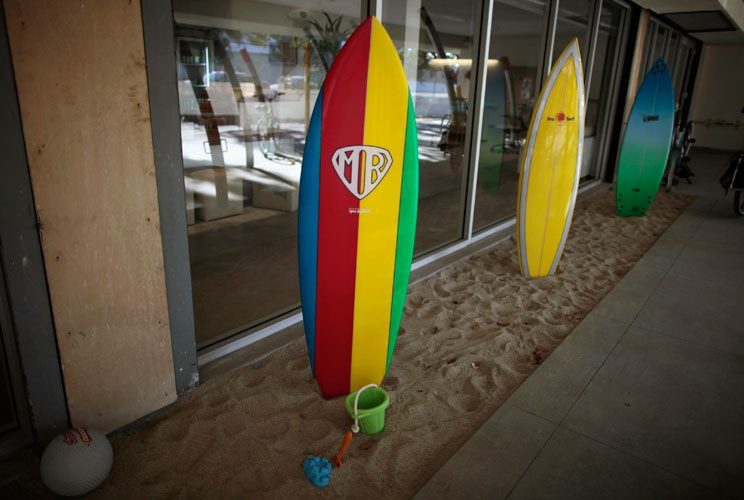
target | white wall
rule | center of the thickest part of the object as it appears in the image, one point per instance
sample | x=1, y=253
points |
x=719, y=96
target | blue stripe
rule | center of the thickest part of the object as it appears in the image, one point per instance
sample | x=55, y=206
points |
x=307, y=222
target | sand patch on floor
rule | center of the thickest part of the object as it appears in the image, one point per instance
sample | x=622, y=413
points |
x=469, y=336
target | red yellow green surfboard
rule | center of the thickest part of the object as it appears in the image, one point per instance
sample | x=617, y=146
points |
x=357, y=213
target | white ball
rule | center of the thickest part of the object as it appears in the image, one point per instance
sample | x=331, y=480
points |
x=76, y=462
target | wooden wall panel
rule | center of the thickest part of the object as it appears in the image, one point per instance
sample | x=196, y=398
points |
x=635, y=70
x=82, y=88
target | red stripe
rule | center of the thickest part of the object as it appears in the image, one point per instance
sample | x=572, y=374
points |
x=344, y=98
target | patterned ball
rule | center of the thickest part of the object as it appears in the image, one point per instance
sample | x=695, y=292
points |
x=76, y=462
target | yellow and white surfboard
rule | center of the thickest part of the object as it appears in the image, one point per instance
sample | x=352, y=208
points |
x=551, y=166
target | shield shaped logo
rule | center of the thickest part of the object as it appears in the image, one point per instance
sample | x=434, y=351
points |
x=361, y=168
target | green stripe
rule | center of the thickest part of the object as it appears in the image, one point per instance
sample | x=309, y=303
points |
x=406, y=228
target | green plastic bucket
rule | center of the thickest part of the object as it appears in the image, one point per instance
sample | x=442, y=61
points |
x=371, y=406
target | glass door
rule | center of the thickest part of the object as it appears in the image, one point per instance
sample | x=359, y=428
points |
x=249, y=73
x=436, y=40
x=601, y=87
x=515, y=52
x=574, y=20
x=15, y=424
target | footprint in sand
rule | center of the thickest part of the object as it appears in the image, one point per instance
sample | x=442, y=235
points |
x=251, y=378
x=314, y=430
x=414, y=299
x=300, y=363
x=390, y=383
x=464, y=398
x=531, y=305
x=271, y=429
x=439, y=289
x=232, y=425
x=172, y=433
x=428, y=311
x=218, y=400
x=554, y=317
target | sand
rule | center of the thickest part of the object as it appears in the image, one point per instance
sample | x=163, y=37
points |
x=469, y=336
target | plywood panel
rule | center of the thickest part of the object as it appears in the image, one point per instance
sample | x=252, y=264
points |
x=82, y=88
x=635, y=68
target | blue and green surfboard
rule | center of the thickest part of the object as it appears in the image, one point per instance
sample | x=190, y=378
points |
x=645, y=148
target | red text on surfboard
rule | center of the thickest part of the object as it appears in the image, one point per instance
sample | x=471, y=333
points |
x=361, y=168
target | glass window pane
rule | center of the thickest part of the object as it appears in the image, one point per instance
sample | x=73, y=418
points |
x=514, y=54
x=573, y=21
x=600, y=87
x=684, y=59
x=671, y=53
x=659, y=43
x=436, y=41
x=249, y=73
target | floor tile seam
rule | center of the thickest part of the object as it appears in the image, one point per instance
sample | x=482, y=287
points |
x=524, y=471
x=685, y=244
x=594, y=375
x=531, y=412
x=529, y=466
x=725, y=287
x=653, y=269
x=648, y=296
x=695, y=225
x=703, y=243
x=710, y=281
x=629, y=323
x=688, y=341
x=614, y=447
x=516, y=405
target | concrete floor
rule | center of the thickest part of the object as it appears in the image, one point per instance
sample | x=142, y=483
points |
x=644, y=398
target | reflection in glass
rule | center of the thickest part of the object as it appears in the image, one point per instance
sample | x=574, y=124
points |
x=670, y=56
x=249, y=73
x=514, y=54
x=659, y=43
x=684, y=60
x=573, y=22
x=435, y=41
x=600, y=88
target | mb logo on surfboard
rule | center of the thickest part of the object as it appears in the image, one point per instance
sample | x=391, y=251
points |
x=361, y=168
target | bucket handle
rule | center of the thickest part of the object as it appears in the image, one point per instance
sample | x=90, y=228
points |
x=355, y=427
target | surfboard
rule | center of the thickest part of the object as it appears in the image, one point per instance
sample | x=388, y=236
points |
x=646, y=143
x=357, y=213
x=492, y=137
x=551, y=166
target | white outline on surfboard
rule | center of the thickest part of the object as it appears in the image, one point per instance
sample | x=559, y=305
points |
x=573, y=49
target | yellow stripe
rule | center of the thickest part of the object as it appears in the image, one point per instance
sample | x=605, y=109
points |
x=550, y=185
x=384, y=126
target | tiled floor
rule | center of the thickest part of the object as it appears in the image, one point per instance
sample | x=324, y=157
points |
x=644, y=398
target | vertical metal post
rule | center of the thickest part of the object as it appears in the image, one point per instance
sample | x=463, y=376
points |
x=648, y=50
x=546, y=60
x=478, y=91
x=614, y=80
x=411, y=43
x=372, y=8
x=157, y=25
x=592, y=49
x=24, y=272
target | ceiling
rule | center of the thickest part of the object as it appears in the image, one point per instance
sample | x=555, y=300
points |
x=733, y=10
